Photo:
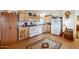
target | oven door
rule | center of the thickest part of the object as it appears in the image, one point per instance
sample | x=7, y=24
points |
x=33, y=31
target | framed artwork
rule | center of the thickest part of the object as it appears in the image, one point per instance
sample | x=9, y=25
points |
x=67, y=14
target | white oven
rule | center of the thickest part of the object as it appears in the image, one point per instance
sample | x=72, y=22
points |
x=33, y=31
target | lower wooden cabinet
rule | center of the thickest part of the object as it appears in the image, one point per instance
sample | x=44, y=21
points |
x=68, y=34
x=23, y=33
x=46, y=28
x=49, y=28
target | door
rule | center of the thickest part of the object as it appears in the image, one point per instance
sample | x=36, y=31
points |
x=77, y=28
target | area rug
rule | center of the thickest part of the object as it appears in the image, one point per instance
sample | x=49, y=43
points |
x=45, y=43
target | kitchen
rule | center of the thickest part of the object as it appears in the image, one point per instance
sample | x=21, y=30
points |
x=28, y=24
x=19, y=25
x=34, y=26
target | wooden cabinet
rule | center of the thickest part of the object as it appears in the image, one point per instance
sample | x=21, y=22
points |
x=68, y=34
x=44, y=29
x=26, y=16
x=8, y=28
x=23, y=16
x=49, y=28
x=13, y=27
x=37, y=18
x=23, y=32
x=48, y=19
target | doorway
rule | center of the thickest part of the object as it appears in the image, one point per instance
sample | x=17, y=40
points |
x=77, y=28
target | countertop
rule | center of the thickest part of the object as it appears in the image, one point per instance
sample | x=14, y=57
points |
x=28, y=26
x=33, y=25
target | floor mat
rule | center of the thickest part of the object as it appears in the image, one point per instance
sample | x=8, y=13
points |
x=45, y=43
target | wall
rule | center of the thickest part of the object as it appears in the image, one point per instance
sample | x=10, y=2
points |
x=70, y=22
x=76, y=14
x=77, y=20
x=0, y=29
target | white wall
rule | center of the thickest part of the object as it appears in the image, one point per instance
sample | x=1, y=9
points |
x=76, y=14
x=70, y=22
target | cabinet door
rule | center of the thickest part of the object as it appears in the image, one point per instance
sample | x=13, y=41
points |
x=48, y=28
x=37, y=18
x=23, y=33
x=21, y=16
x=4, y=28
x=13, y=28
x=44, y=28
x=26, y=16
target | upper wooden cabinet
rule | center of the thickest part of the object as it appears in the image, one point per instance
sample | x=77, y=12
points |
x=37, y=18
x=26, y=16
x=23, y=15
x=48, y=19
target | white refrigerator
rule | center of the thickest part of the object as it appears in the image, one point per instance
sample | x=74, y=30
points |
x=56, y=26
